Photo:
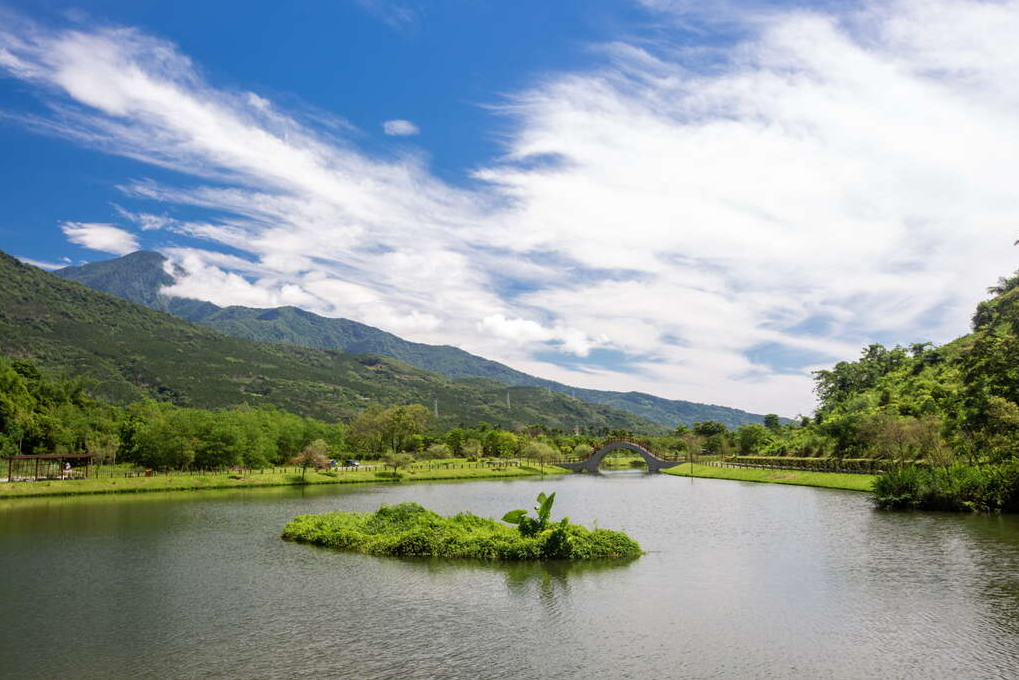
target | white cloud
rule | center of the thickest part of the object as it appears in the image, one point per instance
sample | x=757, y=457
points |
x=41, y=264
x=102, y=237
x=400, y=128
x=524, y=332
x=832, y=179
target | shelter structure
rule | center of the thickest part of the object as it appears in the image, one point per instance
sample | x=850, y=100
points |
x=48, y=466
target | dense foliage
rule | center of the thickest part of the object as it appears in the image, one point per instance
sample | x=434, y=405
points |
x=409, y=530
x=43, y=415
x=139, y=277
x=986, y=488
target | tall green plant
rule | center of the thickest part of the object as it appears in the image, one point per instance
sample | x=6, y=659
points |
x=529, y=526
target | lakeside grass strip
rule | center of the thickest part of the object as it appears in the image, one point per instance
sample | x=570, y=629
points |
x=409, y=530
x=825, y=480
x=183, y=482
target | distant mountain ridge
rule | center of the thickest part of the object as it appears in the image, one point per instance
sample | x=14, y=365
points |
x=130, y=352
x=140, y=276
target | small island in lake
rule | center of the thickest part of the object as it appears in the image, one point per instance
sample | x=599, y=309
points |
x=409, y=530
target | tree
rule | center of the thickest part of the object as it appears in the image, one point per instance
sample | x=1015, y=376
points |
x=709, y=428
x=582, y=450
x=455, y=439
x=719, y=443
x=538, y=451
x=772, y=422
x=366, y=432
x=103, y=447
x=397, y=461
x=401, y=422
x=750, y=439
x=935, y=449
x=693, y=443
x=377, y=429
x=500, y=444
x=314, y=454
x=472, y=448
x=438, y=451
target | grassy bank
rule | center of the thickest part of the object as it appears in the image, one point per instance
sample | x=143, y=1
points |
x=183, y=482
x=828, y=480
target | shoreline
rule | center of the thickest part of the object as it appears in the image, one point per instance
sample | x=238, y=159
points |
x=824, y=480
x=183, y=482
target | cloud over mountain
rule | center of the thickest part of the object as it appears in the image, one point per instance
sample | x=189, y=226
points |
x=710, y=215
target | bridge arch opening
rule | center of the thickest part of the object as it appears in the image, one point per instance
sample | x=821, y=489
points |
x=592, y=463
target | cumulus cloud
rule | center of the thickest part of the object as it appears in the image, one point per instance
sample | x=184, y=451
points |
x=102, y=237
x=832, y=179
x=400, y=128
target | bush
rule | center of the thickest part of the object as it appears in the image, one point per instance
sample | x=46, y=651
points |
x=872, y=465
x=437, y=452
x=986, y=488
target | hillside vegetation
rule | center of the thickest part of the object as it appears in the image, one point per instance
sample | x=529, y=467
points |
x=131, y=352
x=943, y=420
x=139, y=277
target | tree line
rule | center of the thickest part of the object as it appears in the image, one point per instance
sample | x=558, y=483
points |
x=41, y=414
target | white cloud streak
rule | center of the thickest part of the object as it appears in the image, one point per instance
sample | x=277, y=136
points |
x=832, y=179
x=41, y=264
x=105, y=238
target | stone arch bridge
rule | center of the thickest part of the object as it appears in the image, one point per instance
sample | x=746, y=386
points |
x=654, y=462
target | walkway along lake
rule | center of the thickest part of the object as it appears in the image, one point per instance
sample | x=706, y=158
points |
x=743, y=581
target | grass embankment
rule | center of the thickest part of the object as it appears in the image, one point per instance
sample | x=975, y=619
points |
x=433, y=471
x=827, y=480
x=409, y=530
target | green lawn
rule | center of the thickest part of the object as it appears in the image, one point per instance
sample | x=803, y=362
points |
x=828, y=480
x=179, y=481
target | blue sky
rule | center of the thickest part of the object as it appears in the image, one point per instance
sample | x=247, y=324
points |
x=699, y=200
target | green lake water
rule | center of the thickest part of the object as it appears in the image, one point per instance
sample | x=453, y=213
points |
x=741, y=581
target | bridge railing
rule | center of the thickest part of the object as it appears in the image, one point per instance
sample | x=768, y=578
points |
x=635, y=442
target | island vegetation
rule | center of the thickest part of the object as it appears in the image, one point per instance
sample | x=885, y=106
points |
x=409, y=530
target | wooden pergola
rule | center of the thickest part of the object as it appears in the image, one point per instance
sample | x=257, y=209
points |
x=19, y=462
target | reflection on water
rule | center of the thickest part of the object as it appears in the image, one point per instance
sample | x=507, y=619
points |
x=741, y=580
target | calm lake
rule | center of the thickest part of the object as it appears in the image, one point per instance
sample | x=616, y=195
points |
x=741, y=581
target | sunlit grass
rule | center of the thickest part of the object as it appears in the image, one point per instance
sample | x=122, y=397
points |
x=179, y=481
x=828, y=480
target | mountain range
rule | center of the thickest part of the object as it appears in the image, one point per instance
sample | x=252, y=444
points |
x=129, y=352
x=141, y=276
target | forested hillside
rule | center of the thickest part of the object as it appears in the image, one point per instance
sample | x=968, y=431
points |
x=140, y=276
x=130, y=352
x=959, y=401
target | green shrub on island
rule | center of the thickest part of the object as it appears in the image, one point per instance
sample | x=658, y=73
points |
x=409, y=530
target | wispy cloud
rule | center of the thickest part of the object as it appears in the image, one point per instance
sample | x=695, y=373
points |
x=105, y=238
x=834, y=178
x=400, y=128
x=397, y=14
x=42, y=264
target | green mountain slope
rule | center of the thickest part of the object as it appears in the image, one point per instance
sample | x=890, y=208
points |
x=132, y=351
x=140, y=276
